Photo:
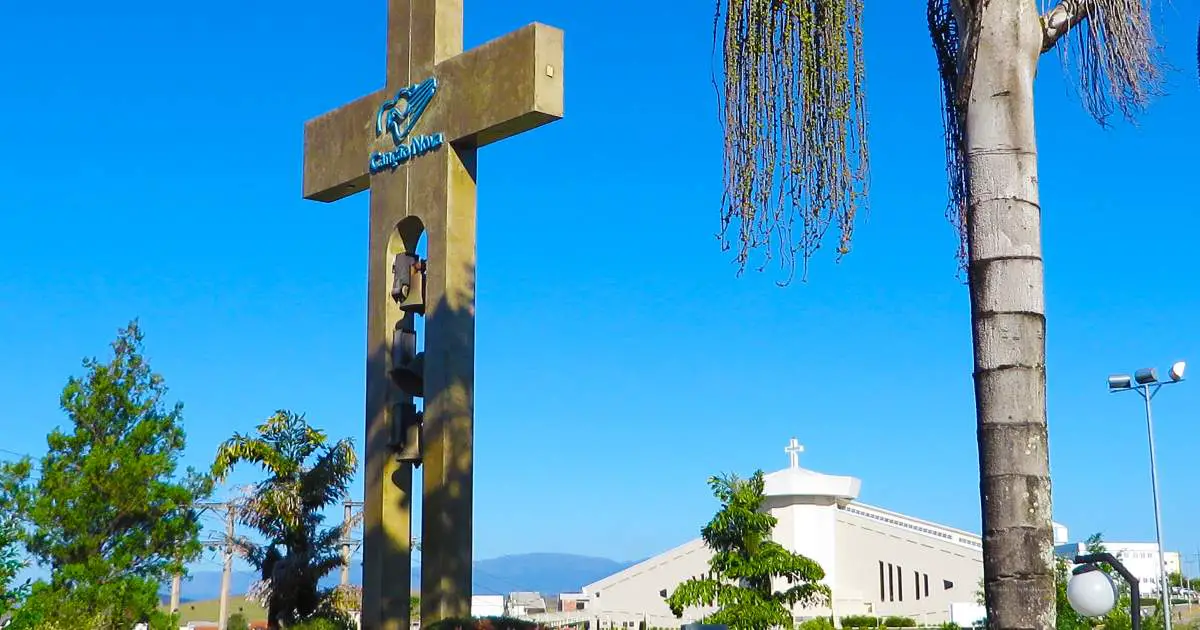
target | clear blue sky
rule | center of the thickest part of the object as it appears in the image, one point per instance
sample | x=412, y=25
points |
x=151, y=168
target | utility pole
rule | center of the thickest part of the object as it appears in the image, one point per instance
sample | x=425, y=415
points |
x=349, y=505
x=176, y=584
x=225, y=543
x=227, y=570
x=349, y=543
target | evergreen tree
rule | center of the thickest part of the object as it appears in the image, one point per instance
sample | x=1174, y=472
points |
x=106, y=512
x=10, y=562
x=747, y=565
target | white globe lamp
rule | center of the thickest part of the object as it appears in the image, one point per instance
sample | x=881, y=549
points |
x=1091, y=592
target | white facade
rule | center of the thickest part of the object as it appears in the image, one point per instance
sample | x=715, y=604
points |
x=876, y=562
x=1141, y=559
x=487, y=605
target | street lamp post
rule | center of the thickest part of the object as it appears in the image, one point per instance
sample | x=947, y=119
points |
x=1092, y=593
x=1145, y=382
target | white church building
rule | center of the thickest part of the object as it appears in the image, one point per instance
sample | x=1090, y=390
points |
x=876, y=562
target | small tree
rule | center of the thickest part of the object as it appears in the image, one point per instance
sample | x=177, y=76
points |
x=305, y=475
x=746, y=564
x=237, y=621
x=107, y=513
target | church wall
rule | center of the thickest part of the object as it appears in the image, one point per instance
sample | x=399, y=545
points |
x=880, y=567
x=808, y=529
x=633, y=595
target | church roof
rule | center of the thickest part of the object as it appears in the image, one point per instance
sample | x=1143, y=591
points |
x=795, y=481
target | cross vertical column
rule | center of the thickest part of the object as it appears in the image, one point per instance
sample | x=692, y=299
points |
x=421, y=174
x=421, y=33
x=446, y=204
x=416, y=33
x=448, y=456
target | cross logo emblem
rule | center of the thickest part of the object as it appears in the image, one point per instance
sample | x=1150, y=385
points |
x=397, y=116
x=400, y=113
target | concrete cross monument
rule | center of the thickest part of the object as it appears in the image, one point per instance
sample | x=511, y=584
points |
x=413, y=143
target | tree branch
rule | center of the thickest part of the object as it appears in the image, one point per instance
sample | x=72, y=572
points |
x=1062, y=18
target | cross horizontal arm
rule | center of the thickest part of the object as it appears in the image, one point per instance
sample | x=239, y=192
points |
x=502, y=88
x=505, y=87
x=336, y=147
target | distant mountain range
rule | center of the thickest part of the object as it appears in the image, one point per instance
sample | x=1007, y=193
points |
x=546, y=573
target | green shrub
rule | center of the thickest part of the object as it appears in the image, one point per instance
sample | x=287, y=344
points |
x=819, y=623
x=899, y=622
x=860, y=621
x=483, y=623
x=323, y=623
x=949, y=625
x=237, y=621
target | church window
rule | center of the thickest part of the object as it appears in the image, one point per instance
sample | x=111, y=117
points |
x=891, y=585
x=900, y=583
x=882, y=592
x=917, y=582
x=947, y=585
x=926, y=585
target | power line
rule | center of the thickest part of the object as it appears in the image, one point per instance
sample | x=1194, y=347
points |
x=21, y=456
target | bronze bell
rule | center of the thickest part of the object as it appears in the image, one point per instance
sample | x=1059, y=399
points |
x=406, y=433
x=410, y=377
x=408, y=283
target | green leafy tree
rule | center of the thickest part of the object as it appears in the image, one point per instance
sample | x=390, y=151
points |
x=746, y=564
x=1067, y=618
x=107, y=512
x=1117, y=619
x=304, y=476
x=11, y=564
x=792, y=95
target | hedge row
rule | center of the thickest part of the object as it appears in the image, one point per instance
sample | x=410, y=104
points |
x=485, y=623
x=867, y=621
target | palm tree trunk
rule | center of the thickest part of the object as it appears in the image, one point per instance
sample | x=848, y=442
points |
x=1008, y=319
x=273, y=615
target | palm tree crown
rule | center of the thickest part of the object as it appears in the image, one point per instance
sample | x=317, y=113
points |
x=305, y=475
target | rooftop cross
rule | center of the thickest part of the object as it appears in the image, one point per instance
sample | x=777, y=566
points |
x=794, y=448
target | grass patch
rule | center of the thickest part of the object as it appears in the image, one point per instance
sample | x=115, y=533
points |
x=209, y=610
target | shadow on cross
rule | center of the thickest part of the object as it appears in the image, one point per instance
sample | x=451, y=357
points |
x=451, y=321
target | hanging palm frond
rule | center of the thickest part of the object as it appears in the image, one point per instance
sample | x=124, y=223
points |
x=1113, y=51
x=947, y=21
x=795, y=122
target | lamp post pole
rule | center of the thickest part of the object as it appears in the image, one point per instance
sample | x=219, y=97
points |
x=1165, y=588
x=1145, y=382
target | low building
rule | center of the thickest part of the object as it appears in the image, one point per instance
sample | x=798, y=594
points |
x=524, y=604
x=572, y=602
x=487, y=605
x=1140, y=558
x=876, y=561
